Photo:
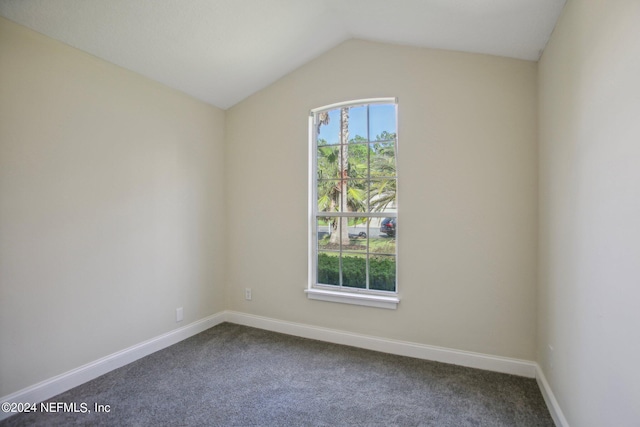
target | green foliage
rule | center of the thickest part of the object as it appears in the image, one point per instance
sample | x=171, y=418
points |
x=382, y=271
x=370, y=168
x=359, y=176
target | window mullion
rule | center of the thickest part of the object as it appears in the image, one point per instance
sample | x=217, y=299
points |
x=367, y=255
x=368, y=187
x=340, y=256
x=358, y=214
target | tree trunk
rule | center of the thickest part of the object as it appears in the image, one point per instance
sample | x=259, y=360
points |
x=343, y=233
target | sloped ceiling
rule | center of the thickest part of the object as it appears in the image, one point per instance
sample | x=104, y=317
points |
x=221, y=51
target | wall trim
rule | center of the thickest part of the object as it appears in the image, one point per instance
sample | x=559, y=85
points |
x=380, y=301
x=75, y=377
x=550, y=399
x=60, y=383
x=524, y=368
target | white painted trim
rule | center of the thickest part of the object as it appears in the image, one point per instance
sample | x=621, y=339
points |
x=73, y=378
x=353, y=298
x=506, y=365
x=355, y=103
x=550, y=399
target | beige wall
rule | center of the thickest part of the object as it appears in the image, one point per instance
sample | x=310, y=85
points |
x=468, y=189
x=121, y=200
x=109, y=189
x=589, y=79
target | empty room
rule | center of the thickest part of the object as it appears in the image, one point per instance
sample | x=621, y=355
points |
x=329, y=212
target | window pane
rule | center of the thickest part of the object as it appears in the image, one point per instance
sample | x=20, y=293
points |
x=329, y=132
x=328, y=268
x=382, y=239
x=357, y=160
x=329, y=162
x=357, y=194
x=324, y=228
x=382, y=273
x=382, y=122
x=382, y=195
x=354, y=254
x=356, y=238
x=358, y=123
x=354, y=270
x=383, y=159
x=328, y=195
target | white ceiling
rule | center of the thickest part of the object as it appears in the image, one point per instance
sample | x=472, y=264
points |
x=221, y=51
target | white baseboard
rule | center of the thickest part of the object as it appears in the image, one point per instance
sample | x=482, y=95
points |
x=63, y=382
x=524, y=368
x=550, y=399
x=66, y=381
x=506, y=365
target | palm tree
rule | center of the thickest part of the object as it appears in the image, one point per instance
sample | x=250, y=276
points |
x=334, y=192
x=344, y=178
x=329, y=175
x=343, y=171
x=383, y=173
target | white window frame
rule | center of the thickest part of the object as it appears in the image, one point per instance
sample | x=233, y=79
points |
x=334, y=293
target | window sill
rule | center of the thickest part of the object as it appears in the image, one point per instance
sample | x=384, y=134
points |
x=379, y=301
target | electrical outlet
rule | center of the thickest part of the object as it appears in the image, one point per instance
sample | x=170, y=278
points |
x=247, y=294
x=179, y=314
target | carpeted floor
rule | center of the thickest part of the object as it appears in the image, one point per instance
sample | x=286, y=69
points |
x=233, y=375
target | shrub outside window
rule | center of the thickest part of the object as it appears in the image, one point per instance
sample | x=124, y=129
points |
x=353, y=202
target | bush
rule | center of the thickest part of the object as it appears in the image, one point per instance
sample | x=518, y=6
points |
x=382, y=271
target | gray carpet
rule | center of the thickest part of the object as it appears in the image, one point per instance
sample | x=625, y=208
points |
x=233, y=375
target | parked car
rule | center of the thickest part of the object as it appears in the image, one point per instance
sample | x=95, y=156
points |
x=388, y=227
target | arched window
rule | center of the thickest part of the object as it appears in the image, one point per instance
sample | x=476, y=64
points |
x=353, y=203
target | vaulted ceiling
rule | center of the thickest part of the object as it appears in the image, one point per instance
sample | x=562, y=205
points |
x=221, y=51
